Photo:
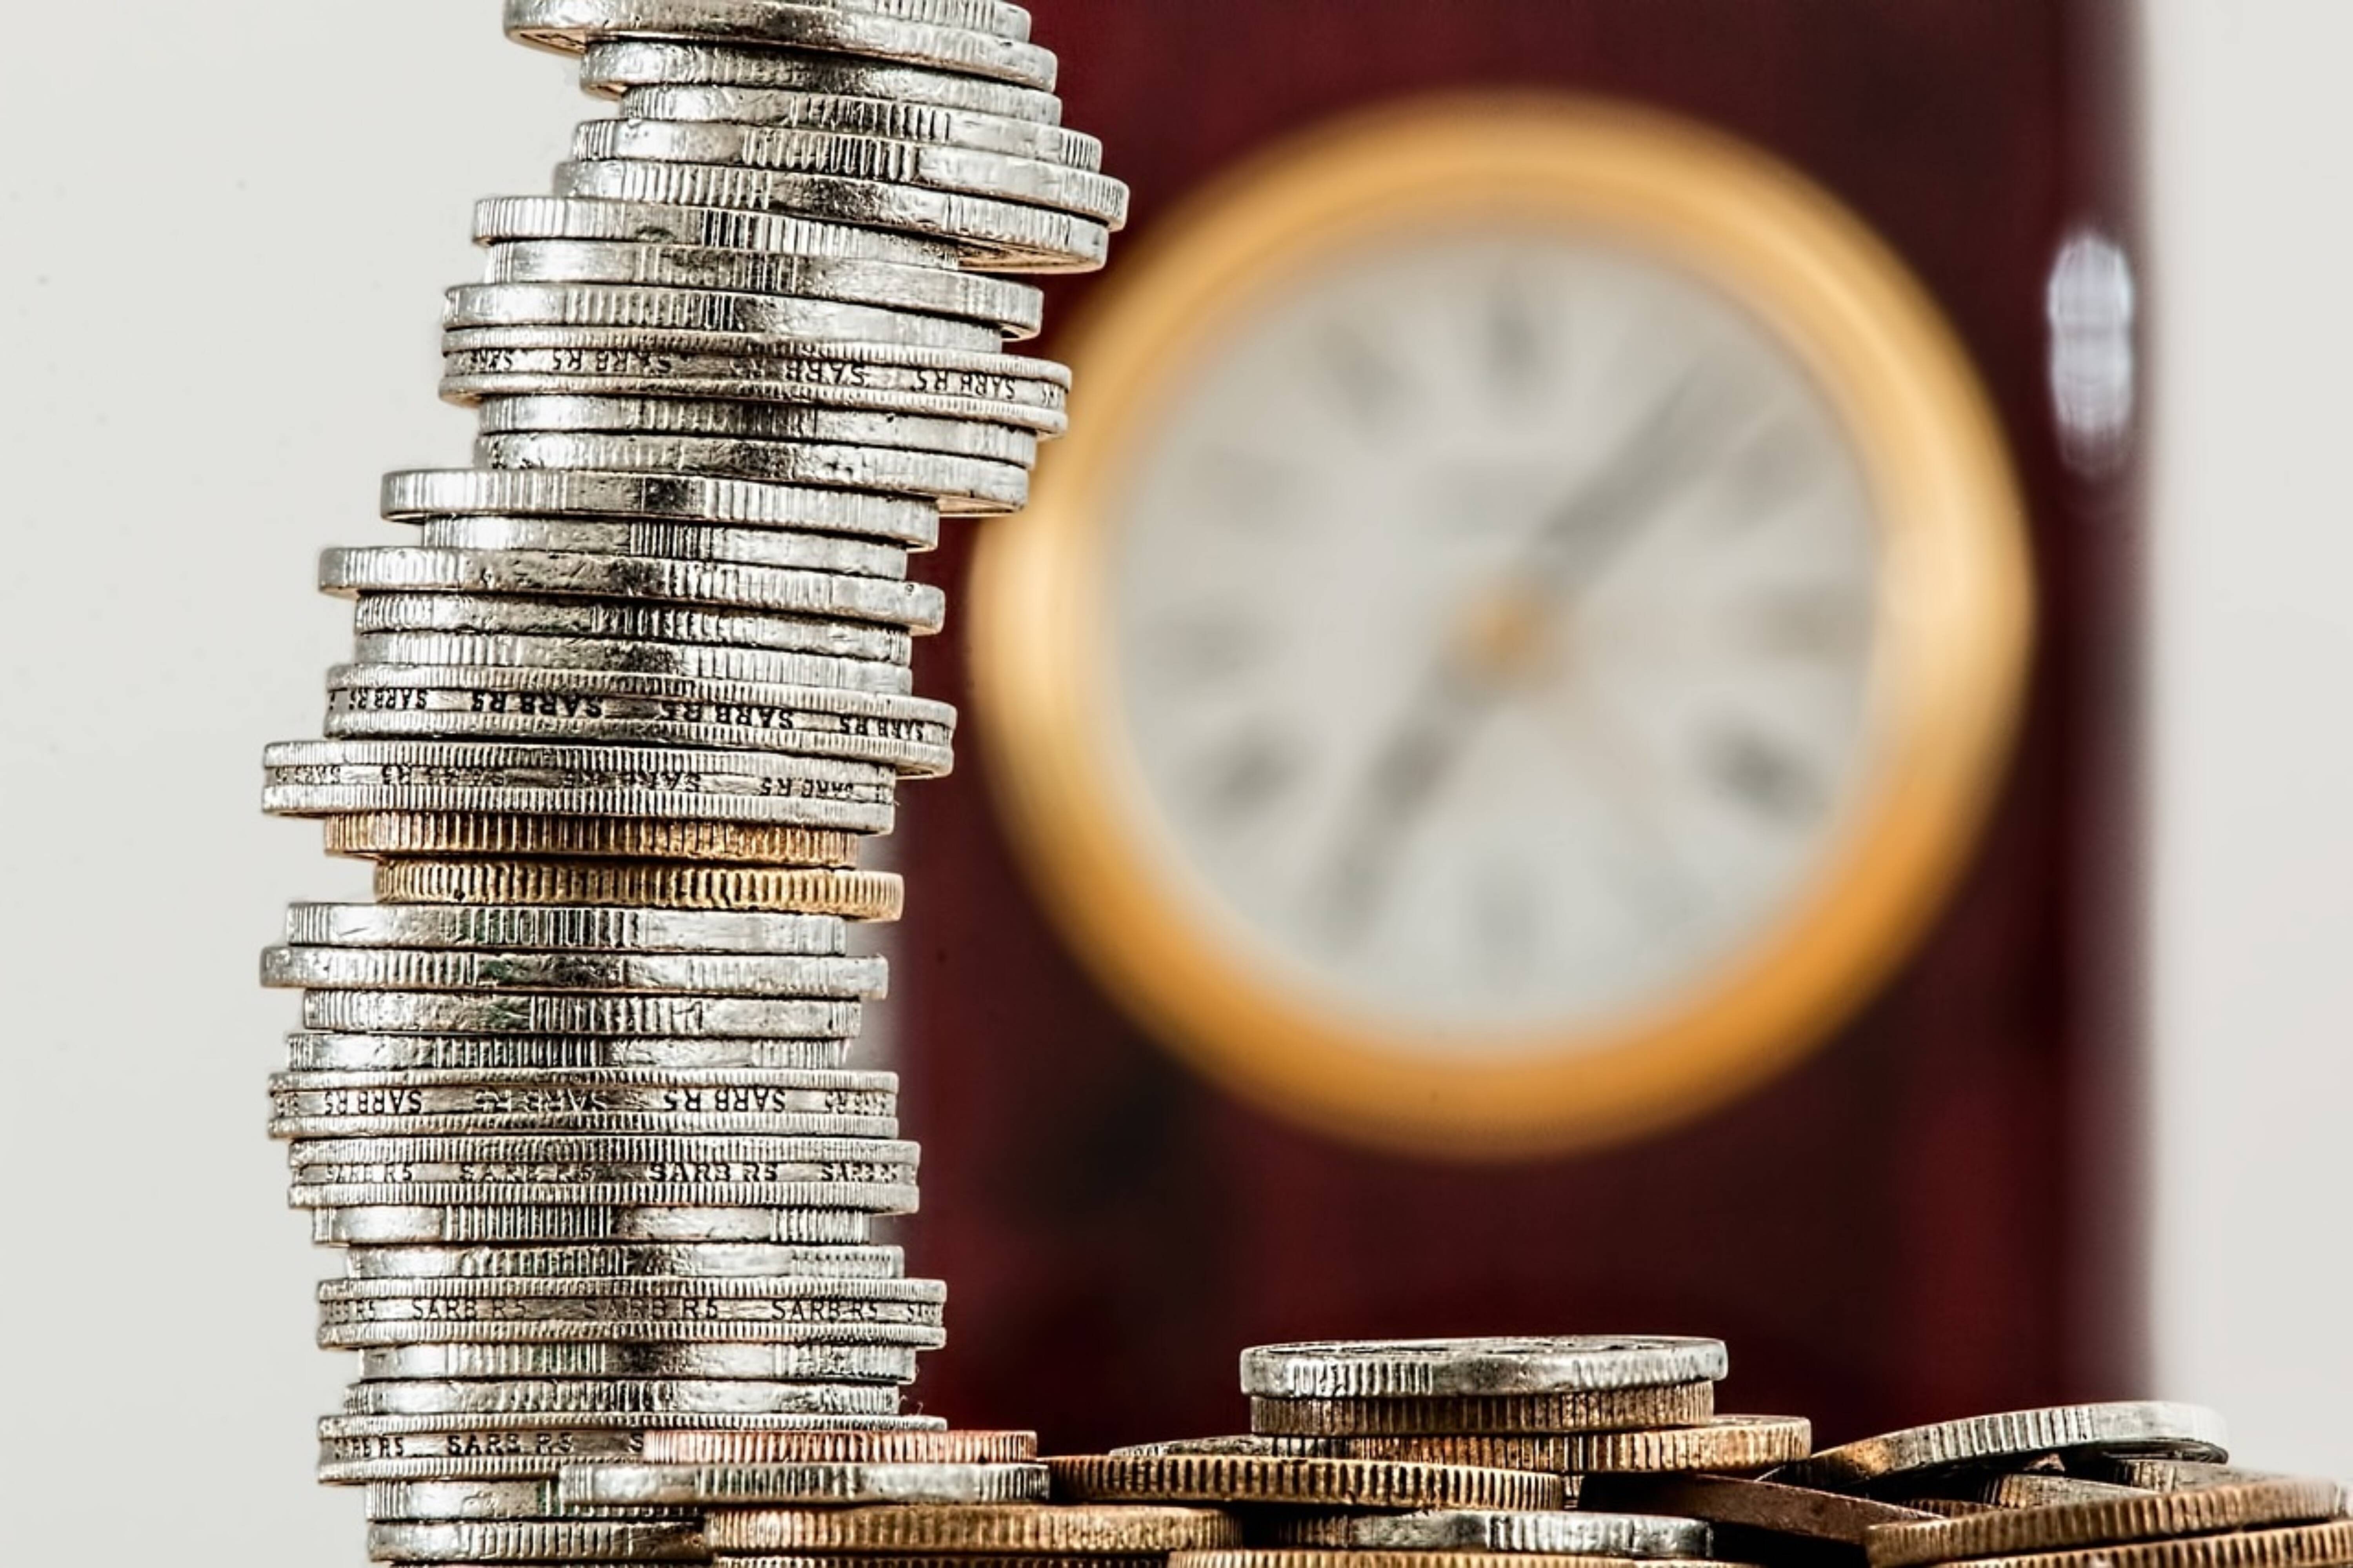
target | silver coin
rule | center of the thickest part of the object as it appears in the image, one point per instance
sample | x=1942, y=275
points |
x=530, y=1012
x=417, y=495
x=616, y=66
x=633, y=307
x=841, y=1295
x=399, y=569
x=654, y=624
x=1563, y=1534
x=911, y=734
x=672, y=541
x=482, y=1499
x=1392, y=1369
x=1002, y=235
x=574, y=928
x=686, y=661
x=2151, y=1428
x=492, y=1222
x=806, y=1485
x=664, y=1123
x=499, y=1094
x=355, y=1450
x=1014, y=309
x=498, y=219
x=972, y=171
x=454, y=969
x=893, y=118
x=761, y=422
x=567, y=1189
x=700, y=1260
x=574, y=25
x=537, y=1541
x=966, y=486
x=356, y=1325
x=549, y=1396
x=601, y=1359
x=474, y=1054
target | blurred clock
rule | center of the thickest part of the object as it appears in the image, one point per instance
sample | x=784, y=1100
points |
x=1523, y=631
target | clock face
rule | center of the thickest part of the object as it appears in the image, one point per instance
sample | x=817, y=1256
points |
x=1521, y=635
x=1493, y=616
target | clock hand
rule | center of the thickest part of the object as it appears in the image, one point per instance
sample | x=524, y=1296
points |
x=1472, y=673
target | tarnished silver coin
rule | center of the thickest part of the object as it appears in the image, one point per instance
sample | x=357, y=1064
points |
x=552, y=1396
x=524, y=1053
x=615, y=67
x=1437, y=1368
x=769, y=1362
x=489, y=1220
x=636, y=307
x=863, y=28
x=416, y=495
x=463, y=969
x=686, y=661
x=964, y=485
x=708, y=1260
x=1562, y=1532
x=803, y=1485
x=480, y=1499
x=2151, y=1428
x=898, y=119
x=611, y=621
x=578, y=929
x=537, y=1541
x=672, y=541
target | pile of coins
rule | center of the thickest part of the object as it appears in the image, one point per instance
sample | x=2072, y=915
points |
x=574, y=1091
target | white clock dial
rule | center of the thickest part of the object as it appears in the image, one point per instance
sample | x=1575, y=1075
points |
x=1493, y=619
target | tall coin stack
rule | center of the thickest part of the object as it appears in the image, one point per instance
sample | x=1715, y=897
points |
x=574, y=1092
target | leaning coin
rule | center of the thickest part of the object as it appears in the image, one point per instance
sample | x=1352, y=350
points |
x=538, y=1013
x=761, y=1363
x=549, y=1396
x=1575, y=1533
x=414, y=494
x=2165, y=1475
x=477, y=1499
x=2127, y=1515
x=1721, y=1442
x=970, y=1529
x=1001, y=236
x=573, y=24
x=615, y=67
x=1420, y=1369
x=866, y=896
x=635, y=307
x=961, y=485
x=538, y=1540
x=1014, y=309
x=1572, y=1410
x=623, y=622
x=426, y=834
x=2014, y=1490
x=498, y=220
x=686, y=660
x=2301, y=1546
x=847, y=155
x=489, y=1222
x=496, y=1054
x=896, y=118
x=446, y=968
x=1331, y=1557
x=672, y=541
x=2147, y=1427
x=1255, y=1480
x=755, y=421
x=582, y=928
x=958, y=1447
x=1763, y=1507
x=818, y=1484
x=397, y=568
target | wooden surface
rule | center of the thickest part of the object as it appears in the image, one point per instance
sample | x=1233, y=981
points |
x=1933, y=1216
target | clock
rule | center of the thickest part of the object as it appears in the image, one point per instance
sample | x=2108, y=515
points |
x=1524, y=632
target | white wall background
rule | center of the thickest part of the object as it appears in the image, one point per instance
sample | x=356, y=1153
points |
x=2251, y=151
x=223, y=228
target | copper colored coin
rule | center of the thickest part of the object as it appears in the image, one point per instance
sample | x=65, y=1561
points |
x=851, y=895
x=1573, y=1410
x=937, y=1447
x=1266, y=1480
x=1764, y=1506
x=992, y=1530
x=1722, y=1443
x=1331, y=1557
x=595, y=838
x=2299, y=1546
x=2141, y=1428
x=2125, y=1515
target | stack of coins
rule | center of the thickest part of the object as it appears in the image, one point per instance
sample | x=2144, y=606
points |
x=944, y=1499
x=575, y=1091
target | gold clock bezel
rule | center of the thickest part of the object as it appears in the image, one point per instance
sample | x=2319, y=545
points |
x=1954, y=628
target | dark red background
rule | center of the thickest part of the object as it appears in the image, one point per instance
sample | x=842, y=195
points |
x=1931, y=1216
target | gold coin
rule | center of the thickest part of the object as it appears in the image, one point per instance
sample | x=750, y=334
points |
x=950, y=1448
x=1298, y=1482
x=1721, y=1442
x=993, y=1528
x=2103, y=1520
x=596, y=838
x=851, y=895
x=1598, y=1410
x=2303, y=1546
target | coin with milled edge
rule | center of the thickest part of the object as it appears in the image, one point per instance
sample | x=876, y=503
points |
x=1332, y=1557
x=1720, y=1443
x=1570, y=1533
x=571, y=26
x=501, y=219
x=1765, y=1506
x=865, y=895
x=819, y=1484
x=549, y=1396
x=505, y=1053
x=964, y=486
x=2164, y=1475
x=755, y=421
x=899, y=121
x=672, y=541
x=643, y=308
x=615, y=67
x=544, y=1012
x=402, y=568
x=2145, y=1427
x=584, y=927
x=488, y=1220
x=1420, y=1369
x=688, y=661
x=327, y=1093
x=786, y=1363
x=537, y=1541
x=2299, y=1546
x=1575, y=1410
x=2125, y=1514
x=953, y=1446
x=416, y=834
x=612, y=621
x=477, y=1500
x=461, y=969
x=1325, y=1483
x=415, y=495
x=984, y=1528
